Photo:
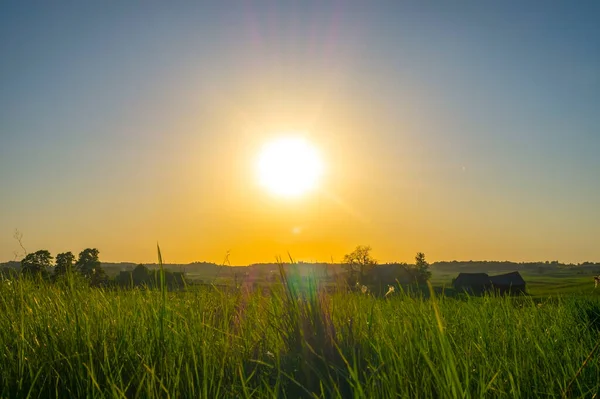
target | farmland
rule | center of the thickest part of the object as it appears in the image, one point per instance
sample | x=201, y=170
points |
x=70, y=340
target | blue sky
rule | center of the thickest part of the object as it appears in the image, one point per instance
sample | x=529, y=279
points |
x=467, y=130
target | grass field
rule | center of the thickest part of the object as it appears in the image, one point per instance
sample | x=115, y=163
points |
x=75, y=341
x=539, y=285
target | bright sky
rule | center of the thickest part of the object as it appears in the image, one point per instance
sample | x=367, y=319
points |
x=463, y=130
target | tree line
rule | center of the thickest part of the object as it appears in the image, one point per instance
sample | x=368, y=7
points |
x=40, y=264
x=364, y=271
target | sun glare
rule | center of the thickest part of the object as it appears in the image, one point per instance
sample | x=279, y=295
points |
x=289, y=167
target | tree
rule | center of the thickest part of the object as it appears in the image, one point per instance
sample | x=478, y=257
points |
x=141, y=275
x=98, y=278
x=359, y=263
x=88, y=262
x=37, y=264
x=422, y=266
x=64, y=264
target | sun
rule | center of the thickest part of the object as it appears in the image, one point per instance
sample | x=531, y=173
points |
x=289, y=167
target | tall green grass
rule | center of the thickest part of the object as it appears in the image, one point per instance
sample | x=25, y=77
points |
x=68, y=340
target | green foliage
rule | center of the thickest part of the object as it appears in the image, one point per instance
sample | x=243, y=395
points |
x=90, y=267
x=422, y=268
x=295, y=342
x=88, y=262
x=98, y=278
x=37, y=264
x=64, y=264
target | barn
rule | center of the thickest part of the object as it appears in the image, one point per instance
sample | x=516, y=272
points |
x=508, y=283
x=479, y=283
x=473, y=283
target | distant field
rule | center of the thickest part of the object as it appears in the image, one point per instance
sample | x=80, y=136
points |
x=548, y=285
x=75, y=341
x=541, y=281
x=548, y=282
x=539, y=284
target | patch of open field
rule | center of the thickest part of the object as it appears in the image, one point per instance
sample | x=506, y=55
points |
x=296, y=341
x=539, y=285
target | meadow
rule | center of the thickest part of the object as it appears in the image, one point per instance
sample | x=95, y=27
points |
x=69, y=340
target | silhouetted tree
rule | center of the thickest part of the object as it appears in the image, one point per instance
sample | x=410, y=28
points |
x=422, y=266
x=98, y=277
x=37, y=264
x=90, y=267
x=64, y=264
x=359, y=263
x=88, y=262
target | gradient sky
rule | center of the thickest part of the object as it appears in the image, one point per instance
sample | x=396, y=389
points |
x=460, y=129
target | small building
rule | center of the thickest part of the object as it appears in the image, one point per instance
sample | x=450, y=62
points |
x=479, y=283
x=508, y=283
x=473, y=283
